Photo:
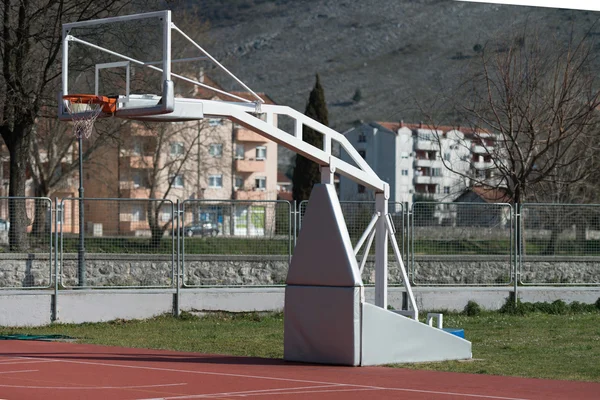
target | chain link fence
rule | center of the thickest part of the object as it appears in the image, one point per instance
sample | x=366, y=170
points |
x=560, y=244
x=236, y=243
x=142, y=243
x=461, y=243
x=26, y=245
x=118, y=243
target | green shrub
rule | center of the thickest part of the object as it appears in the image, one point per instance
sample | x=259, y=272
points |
x=472, y=309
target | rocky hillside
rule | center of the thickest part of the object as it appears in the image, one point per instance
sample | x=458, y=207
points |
x=394, y=52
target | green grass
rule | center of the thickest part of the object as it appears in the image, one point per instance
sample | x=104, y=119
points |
x=540, y=345
x=535, y=345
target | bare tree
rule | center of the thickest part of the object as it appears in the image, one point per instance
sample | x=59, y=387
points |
x=174, y=161
x=531, y=106
x=53, y=163
x=30, y=46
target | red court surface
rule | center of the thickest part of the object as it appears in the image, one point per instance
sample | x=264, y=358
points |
x=31, y=370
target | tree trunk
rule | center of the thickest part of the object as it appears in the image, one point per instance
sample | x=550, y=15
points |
x=18, y=149
x=157, y=231
x=551, y=247
x=41, y=212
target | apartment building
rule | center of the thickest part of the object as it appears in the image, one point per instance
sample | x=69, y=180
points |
x=419, y=161
x=200, y=163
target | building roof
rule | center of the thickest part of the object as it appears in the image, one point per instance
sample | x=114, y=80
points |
x=283, y=179
x=490, y=194
x=394, y=126
x=289, y=196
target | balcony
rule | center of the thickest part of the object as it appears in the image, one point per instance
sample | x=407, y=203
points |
x=139, y=193
x=138, y=161
x=483, y=165
x=479, y=149
x=426, y=145
x=242, y=194
x=249, y=165
x=246, y=135
x=428, y=180
x=425, y=163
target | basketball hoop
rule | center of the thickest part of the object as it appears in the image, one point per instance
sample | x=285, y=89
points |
x=84, y=109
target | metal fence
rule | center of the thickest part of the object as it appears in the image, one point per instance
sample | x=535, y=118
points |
x=200, y=243
x=560, y=244
x=26, y=250
x=235, y=242
x=461, y=244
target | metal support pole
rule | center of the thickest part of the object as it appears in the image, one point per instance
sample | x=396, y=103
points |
x=518, y=253
x=81, y=248
x=381, y=250
x=178, y=265
x=57, y=219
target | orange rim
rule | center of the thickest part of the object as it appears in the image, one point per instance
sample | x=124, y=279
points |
x=108, y=104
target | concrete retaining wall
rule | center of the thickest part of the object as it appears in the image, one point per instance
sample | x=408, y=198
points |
x=143, y=270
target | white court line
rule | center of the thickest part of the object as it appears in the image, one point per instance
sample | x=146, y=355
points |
x=483, y=396
x=245, y=393
x=29, y=362
x=15, y=372
x=352, y=388
x=91, y=387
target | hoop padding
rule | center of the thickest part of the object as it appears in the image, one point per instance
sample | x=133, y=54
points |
x=84, y=109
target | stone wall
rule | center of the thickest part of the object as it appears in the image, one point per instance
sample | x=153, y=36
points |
x=143, y=270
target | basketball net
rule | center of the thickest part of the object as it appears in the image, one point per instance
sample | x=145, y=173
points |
x=85, y=109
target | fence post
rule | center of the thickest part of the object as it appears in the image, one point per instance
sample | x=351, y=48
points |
x=295, y=214
x=518, y=251
x=178, y=267
x=57, y=219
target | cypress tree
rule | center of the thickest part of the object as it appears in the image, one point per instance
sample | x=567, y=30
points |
x=306, y=172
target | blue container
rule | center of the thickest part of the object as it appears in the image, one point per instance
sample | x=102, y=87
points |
x=456, y=331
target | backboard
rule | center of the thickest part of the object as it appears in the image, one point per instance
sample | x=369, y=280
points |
x=127, y=58
x=143, y=61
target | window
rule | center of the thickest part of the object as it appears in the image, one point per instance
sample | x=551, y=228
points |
x=177, y=181
x=362, y=138
x=447, y=156
x=176, y=149
x=137, y=149
x=137, y=213
x=436, y=172
x=361, y=189
x=137, y=179
x=215, y=181
x=166, y=215
x=404, y=172
x=216, y=150
x=446, y=189
x=363, y=154
x=214, y=121
x=260, y=183
x=238, y=182
x=239, y=151
x=261, y=153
